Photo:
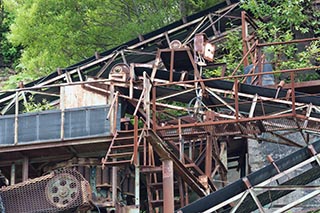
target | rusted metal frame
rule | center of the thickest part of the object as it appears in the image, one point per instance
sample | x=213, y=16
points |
x=154, y=108
x=314, y=153
x=285, y=140
x=300, y=130
x=79, y=74
x=290, y=110
x=16, y=116
x=105, y=159
x=209, y=152
x=284, y=173
x=137, y=182
x=181, y=142
x=221, y=16
x=245, y=21
x=288, y=42
x=149, y=193
x=114, y=184
x=113, y=102
x=137, y=141
x=43, y=93
x=123, y=57
x=270, y=159
x=253, y=195
x=215, y=32
x=237, y=114
x=293, y=96
x=308, y=113
x=181, y=192
x=62, y=115
x=188, y=160
x=175, y=94
x=7, y=107
x=228, y=121
x=235, y=208
x=216, y=169
x=252, y=48
x=191, y=35
x=241, y=76
x=164, y=153
x=217, y=159
x=107, y=64
x=253, y=105
x=146, y=101
x=163, y=34
x=196, y=71
x=245, y=51
x=139, y=101
x=171, y=65
x=156, y=65
x=251, y=71
x=168, y=185
x=229, y=92
x=223, y=156
x=236, y=98
x=131, y=81
x=297, y=202
x=286, y=187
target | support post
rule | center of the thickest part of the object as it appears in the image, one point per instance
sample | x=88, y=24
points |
x=208, y=165
x=62, y=108
x=114, y=185
x=168, y=192
x=137, y=183
x=293, y=95
x=236, y=98
x=13, y=174
x=25, y=169
x=244, y=37
x=16, y=119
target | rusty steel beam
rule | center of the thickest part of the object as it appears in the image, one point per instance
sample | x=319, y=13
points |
x=181, y=170
x=168, y=192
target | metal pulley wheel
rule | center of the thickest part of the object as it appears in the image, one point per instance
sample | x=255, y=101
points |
x=62, y=190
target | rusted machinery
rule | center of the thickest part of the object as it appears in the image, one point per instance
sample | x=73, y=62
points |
x=58, y=191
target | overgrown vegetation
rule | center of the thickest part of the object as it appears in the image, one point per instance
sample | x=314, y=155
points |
x=37, y=36
x=60, y=33
x=33, y=106
x=278, y=21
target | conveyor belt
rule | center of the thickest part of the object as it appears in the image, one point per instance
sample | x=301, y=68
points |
x=149, y=46
x=256, y=178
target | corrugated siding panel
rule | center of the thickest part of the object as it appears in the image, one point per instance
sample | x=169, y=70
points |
x=46, y=125
x=6, y=130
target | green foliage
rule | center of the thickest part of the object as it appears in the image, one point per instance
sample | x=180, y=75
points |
x=32, y=106
x=232, y=54
x=8, y=53
x=60, y=33
x=283, y=21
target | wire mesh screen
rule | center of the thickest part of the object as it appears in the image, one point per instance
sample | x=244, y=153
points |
x=58, y=191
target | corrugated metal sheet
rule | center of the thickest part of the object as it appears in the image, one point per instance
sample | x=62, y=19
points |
x=7, y=129
x=46, y=125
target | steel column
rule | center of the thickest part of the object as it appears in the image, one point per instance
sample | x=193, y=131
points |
x=168, y=192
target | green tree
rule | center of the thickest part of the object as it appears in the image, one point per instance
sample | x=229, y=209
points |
x=59, y=33
x=284, y=21
x=8, y=53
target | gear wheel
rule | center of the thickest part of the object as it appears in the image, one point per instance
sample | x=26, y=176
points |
x=62, y=190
